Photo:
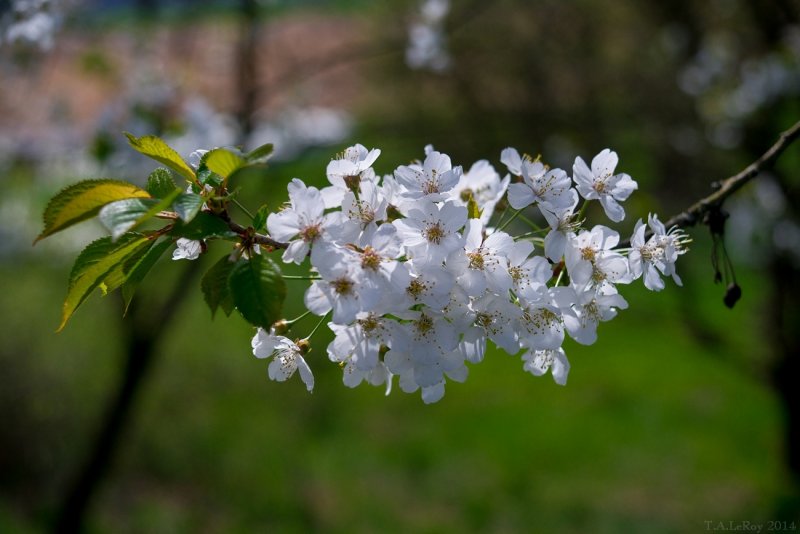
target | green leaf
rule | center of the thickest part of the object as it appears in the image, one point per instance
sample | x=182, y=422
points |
x=203, y=226
x=118, y=275
x=139, y=270
x=473, y=211
x=155, y=147
x=260, y=218
x=122, y=215
x=258, y=290
x=94, y=264
x=187, y=205
x=216, y=290
x=160, y=183
x=84, y=200
x=223, y=161
x=206, y=177
x=260, y=154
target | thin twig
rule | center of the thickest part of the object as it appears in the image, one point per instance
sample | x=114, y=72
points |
x=261, y=239
x=729, y=186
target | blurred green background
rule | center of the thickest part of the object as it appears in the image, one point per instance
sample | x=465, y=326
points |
x=678, y=415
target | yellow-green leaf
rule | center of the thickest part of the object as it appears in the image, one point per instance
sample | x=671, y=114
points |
x=223, y=162
x=94, y=264
x=155, y=147
x=84, y=200
x=139, y=270
x=473, y=211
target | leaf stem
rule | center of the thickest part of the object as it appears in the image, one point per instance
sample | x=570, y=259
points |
x=241, y=207
x=516, y=214
x=322, y=320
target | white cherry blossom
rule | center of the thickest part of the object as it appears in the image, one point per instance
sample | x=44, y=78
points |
x=601, y=183
x=432, y=179
x=481, y=263
x=301, y=224
x=430, y=232
x=187, y=249
x=287, y=357
x=483, y=185
x=538, y=362
x=347, y=172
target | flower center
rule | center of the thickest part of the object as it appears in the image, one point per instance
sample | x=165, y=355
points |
x=424, y=324
x=430, y=187
x=369, y=325
x=516, y=274
x=370, y=259
x=475, y=260
x=342, y=286
x=588, y=254
x=484, y=320
x=434, y=233
x=415, y=288
x=310, y=233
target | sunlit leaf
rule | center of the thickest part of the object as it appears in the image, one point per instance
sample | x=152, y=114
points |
x=84, y=200
x=223, y=161
x=93, y=266
x=473, y=211
x=160, y=183
x=155, y=147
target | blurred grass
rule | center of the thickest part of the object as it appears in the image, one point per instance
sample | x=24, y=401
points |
x=667, y=421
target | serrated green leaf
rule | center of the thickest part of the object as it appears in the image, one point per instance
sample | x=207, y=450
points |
x=138, y=271
x=160, y=183
x=216, y=290
x=156, y=148
x=126, y=215
x=187, y=205
x=93, y=266
x=258, y=290
x=260, y=154
x=84, y=200
x=117, y=276
x=203, y=226
x=122, y=215
x=223, y=161
x=260, y=218
x=206, y=177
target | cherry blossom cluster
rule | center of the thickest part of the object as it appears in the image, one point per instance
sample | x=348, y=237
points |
x=416, y=279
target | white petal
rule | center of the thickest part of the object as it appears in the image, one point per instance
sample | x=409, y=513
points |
x=520, y=196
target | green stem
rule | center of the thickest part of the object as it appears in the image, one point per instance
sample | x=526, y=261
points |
x=318, y=325
x=245, y=210
x=582, y=211
x=296, y=319
x=560, y=276
x=530, y=223
x=516, y=214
